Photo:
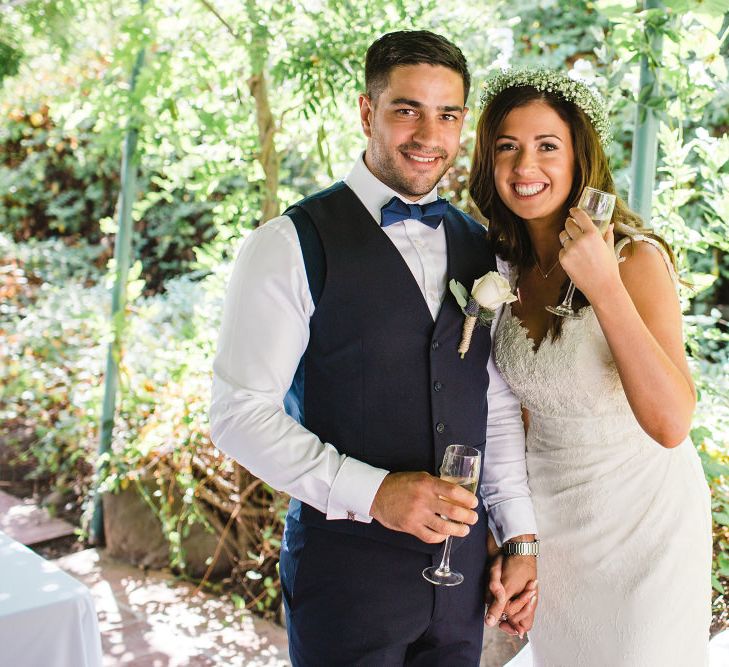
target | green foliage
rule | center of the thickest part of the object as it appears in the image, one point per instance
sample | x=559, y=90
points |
x=10, y=58
x=57, y=182
x=556, y=33
x=50, y=378
x=460, y=292
x=52, y=183
x=23, y=19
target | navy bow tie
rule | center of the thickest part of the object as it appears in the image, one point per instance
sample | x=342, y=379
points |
x=430, y=214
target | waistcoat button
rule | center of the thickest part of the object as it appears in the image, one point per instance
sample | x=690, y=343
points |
x=440, y=427
x=437, y=385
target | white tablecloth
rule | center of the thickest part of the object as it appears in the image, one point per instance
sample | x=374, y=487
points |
x=47, y=618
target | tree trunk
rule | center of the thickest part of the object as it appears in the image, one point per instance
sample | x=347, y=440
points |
x=269, y=158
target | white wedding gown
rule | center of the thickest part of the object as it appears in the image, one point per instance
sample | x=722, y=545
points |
x=624, y=524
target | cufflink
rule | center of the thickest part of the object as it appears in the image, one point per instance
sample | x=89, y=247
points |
x=351, y=515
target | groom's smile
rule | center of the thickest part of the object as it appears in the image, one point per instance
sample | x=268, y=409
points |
x=413, y=127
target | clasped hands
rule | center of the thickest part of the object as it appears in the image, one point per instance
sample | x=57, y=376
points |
x=511, y=595
x=415, y=502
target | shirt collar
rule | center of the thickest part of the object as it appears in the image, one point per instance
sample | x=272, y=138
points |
x=373, y=193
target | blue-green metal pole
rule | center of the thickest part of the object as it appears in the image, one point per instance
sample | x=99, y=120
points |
x=645, y=139
x=122, y=257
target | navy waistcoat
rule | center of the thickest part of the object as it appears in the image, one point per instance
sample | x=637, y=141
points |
x=380, y=380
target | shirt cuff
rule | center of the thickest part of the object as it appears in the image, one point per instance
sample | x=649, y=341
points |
x=353, y=491
x=511, y=518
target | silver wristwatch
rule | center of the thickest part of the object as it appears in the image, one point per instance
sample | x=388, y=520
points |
x=521, y=548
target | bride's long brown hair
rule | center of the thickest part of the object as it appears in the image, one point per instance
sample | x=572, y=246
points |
x=506, y=230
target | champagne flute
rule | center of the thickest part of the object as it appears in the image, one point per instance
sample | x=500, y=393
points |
x=599, y=206
x=461, y=465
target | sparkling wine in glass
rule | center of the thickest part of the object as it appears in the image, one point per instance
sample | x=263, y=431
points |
x=461, y=465
x=599, y=206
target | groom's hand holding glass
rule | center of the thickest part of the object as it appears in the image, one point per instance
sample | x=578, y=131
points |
x=415, y=502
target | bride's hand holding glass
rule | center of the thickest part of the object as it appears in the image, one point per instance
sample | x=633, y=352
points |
x=588, y=256
x=599, y=207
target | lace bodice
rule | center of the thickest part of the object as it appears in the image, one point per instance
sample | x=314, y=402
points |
x=572, y=375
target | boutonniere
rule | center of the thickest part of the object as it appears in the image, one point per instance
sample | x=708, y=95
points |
x=488, y=293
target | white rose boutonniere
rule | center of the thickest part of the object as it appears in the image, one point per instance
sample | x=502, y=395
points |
x=488, y=293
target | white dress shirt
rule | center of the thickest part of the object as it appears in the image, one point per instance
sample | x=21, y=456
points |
x=264, y=334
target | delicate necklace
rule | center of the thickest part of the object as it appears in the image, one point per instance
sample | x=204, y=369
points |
x=545, y=274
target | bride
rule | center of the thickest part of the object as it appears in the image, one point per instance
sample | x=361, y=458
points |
x=621, y=501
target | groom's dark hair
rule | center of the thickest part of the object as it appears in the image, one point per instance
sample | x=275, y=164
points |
x=411, y=47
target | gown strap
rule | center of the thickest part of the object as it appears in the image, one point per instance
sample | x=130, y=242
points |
x=647, y=239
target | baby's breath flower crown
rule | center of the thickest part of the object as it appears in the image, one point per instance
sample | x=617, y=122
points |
x=551, y=81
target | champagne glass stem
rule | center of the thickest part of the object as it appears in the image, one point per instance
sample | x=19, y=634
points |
x=567, y=303
x=445, y=562
x=565, y=308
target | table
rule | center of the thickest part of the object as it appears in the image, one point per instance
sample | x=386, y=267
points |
x=47, y=618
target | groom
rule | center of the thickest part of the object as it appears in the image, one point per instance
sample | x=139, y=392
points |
x=338, y=311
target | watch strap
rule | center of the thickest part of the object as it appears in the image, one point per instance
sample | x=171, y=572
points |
x=521, y=548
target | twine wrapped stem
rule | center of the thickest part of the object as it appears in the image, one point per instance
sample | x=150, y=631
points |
x=472, y=310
